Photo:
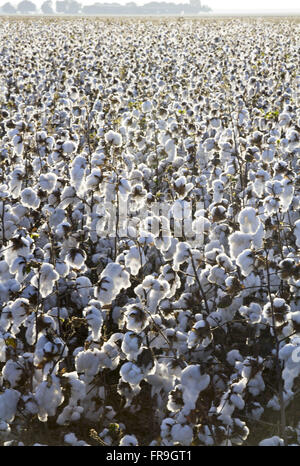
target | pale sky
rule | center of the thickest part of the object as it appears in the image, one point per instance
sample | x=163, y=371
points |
x=216, y=5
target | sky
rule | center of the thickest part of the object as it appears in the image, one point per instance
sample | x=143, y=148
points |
x=218, y=6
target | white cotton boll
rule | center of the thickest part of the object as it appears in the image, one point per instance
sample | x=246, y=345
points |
x=95, y=319
x=131, y=373
x=171, y=150
x=268, y=154
x=218, y=190
x=238, y=242
x=256, y=385
x=181, y=255
x=136, y=319
x=88, y=362
x=182, y=434
x=287, y=194
x=237, y=401
x=124, y=188
x=12, y=372
x=30, y=198
x=76, y=258
x=105, y=291
x=233, y=356
x=8, y=404
x=131, y=345
x=135, y=259
x=245, y=261
x=128, y=441
x=120, y=276
x=71, y=439
x=69, y=146
x=274, y=441
x=19, y=310
x=248, y=220
x=146, y=106
x=253, y=312
x=181, y=210
x=47, y=278
x=193, y=382
x=62, y=268
x=113, y=138
x=217, y=275
x=94, y=179
x=297, y=232
x=48, y=181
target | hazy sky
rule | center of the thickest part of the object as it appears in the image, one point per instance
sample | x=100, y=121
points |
x=216, y=5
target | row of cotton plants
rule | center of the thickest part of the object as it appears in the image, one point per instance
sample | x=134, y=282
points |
x=149, y=232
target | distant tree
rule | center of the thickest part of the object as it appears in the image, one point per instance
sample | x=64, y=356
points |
x=26, y=7
x=8, y=9
x=61, y=6
x=47, y=8
x=73, y=7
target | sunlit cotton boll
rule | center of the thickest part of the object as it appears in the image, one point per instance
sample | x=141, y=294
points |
x=182, y=434
x=131, y=373
x=146, y=106
x=113, y=138
x=48, y=181
x=193, y=382
x=248, y=220
x=76, y=258
x=128, y=441
x=245, y=261
x=30, y=198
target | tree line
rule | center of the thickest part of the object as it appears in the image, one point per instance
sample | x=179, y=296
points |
x=73, y=7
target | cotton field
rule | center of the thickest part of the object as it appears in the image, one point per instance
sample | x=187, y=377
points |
x=149, y=232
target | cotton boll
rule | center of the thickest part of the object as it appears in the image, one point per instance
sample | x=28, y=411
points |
x=182, y=254
x=135, y=259
x=253, y=312
x=76, y=258
x=113, y=138
x=193, y=382
x=46, y=279
x=238, y=242
x=146, y=106
x=217, y=275
x=297, y=232
x=233, y=356
x=245, y=261
x=274, y=441
x=131, y=345
x=88, y=362
x=69, y=146
x=136, y=319
x=128, y=441
x=8, y=404
x=131, y=373
x=30, y=198
x=12, y=372
x=248, y=220
x=48, y=181
x=182, y=435
x=95, y=321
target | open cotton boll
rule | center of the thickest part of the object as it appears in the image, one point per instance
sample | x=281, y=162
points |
x=8, y=404
x=69, y=146
x=88, y=362
x=12, y=372
x=136, y=318
x=131, y=373
x=171, y=150
x=193, y=382
x=124, y=188
x=76, y=258
x=146, y=106
x=46, y=279
x=297, y=232
x=182, y=254
x=248, y=220
x=253, y=312
x=30, y=198
x=245, y=261
x=182, y=434
x=135, y=259
x=131, y=345
x=48, y=181
x=274, y=441
x=218, y=190
x=238, y=242
x=113, y=138
x=128, y=441
x=95, y=319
